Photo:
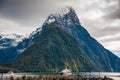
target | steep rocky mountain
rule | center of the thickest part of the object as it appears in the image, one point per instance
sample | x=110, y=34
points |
x=100, y=57
x=52, y=51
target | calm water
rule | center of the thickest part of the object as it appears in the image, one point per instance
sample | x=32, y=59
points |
x=115, y=76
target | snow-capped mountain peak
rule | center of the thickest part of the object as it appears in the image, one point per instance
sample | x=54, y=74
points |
x=10, y=40
x=65, y=17
x=12, y=36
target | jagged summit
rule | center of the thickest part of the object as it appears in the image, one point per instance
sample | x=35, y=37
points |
x=66, y=17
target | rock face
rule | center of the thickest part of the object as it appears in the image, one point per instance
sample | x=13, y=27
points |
x=52, y=51
x=99, y=57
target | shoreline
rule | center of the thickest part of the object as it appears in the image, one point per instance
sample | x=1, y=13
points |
x=57, y=77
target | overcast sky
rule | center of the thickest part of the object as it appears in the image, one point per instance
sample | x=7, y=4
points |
x=100, y=17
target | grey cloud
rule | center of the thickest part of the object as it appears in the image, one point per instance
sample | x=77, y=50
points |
x=20, y=11
x=110, y=30
x=100, y=29
x=107, y=31
x=28, y=11
x=114, y=14
x=113, y=11
x=112, y=39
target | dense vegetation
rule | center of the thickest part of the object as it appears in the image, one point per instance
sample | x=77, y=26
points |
x=6, y=69
x=52, y=51
x=8, y=54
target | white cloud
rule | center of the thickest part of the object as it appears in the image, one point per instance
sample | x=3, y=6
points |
x=111, y=42
x=113, y=46
x=9, y=26
x=109, y=38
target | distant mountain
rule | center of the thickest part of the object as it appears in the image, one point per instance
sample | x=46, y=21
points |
x=52, y=51
x=10, y=40
x=8, y=43
x=26, y=42
x=12, y=45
